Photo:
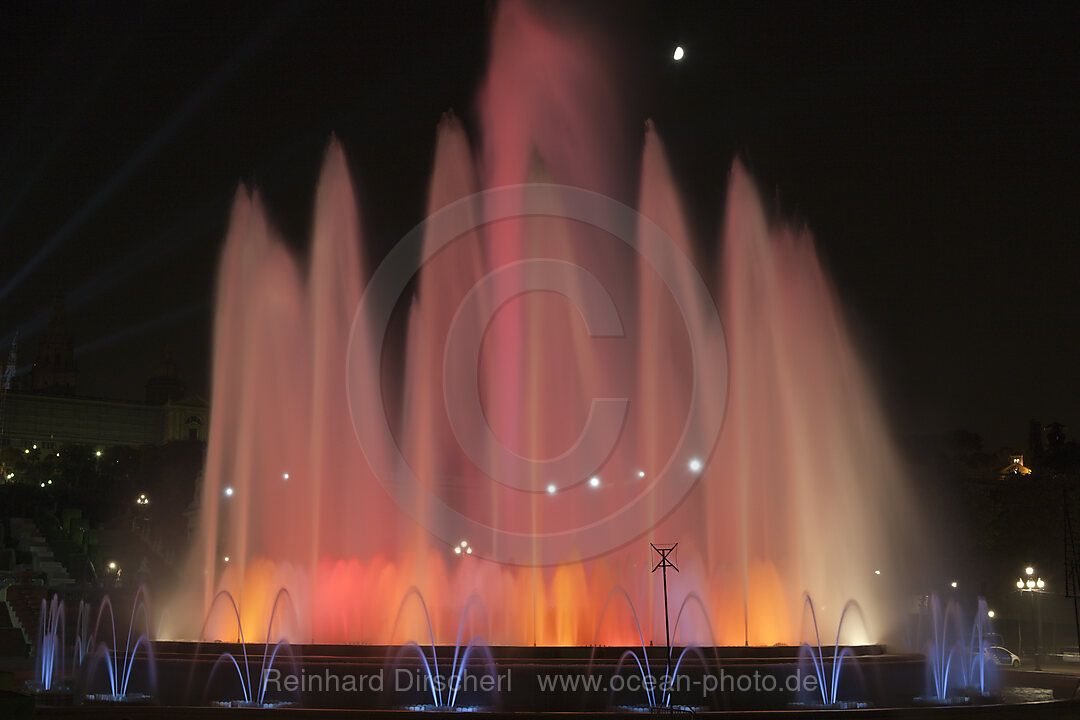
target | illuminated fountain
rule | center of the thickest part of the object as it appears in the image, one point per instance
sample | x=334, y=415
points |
x=801, y=492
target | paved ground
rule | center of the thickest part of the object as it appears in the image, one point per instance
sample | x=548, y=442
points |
x=1052, y=664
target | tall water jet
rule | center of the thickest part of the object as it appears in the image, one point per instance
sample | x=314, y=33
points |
x=801, y=492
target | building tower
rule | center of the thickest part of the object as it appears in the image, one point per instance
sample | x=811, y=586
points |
x=5, y=385
x=54, y=367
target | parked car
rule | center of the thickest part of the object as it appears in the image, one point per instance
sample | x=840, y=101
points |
x=1002, y=656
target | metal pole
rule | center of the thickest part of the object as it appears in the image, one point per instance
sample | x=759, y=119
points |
x=1034, y=622
x=663, y=565
x=667, y=631
x=1038, y=632
x=1071, y=579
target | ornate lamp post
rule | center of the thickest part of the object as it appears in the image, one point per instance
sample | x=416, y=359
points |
x=1033, y=584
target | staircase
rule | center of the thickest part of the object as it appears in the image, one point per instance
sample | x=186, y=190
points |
x=28, y=538
x=25, y=604
x=12, y=640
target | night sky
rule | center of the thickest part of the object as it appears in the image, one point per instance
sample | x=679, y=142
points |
x=933, y=152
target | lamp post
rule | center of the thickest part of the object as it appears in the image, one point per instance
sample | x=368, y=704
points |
x=1033, y=584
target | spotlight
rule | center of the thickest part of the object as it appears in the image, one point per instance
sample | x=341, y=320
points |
x=457, y=550
x=990, y=614
x=226, y=558
x=285, y=476
x=679, y=53
x=877, y=572
x=228, y=491
x=641, y=473
x=97, y=454
x=551, y=489
x=695, y=465
x=1029, y=570
x=953, y=584
x=1030, y=584
x=594, y=481
x=112, y=564
x=1019, y=584
x=1040, y=584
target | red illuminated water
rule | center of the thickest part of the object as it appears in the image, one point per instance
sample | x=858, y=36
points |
x=801, y=492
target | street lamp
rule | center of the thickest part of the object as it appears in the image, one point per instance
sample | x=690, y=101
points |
x=1034, y=585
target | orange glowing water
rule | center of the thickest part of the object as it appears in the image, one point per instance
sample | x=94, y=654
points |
x=801, y=492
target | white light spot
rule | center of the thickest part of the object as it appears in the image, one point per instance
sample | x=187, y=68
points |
x=594, y=481
x=551, y=489
x=952, y=584
x=226, y=558
x=877, y=572
x=695, y=465
x=228, y=491
x=679, y=53
x=468, y=551
x=285, y=476
x=457, y=549
x=641, y=473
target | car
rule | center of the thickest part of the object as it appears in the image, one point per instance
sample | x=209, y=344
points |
x=1002, y=656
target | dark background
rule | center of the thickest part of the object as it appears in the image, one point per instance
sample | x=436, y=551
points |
x=931, y=148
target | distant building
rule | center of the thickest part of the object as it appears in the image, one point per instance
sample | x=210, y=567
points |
x=55, y=420
x=54, y=365
x=1015, y=467
x=48, y=413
